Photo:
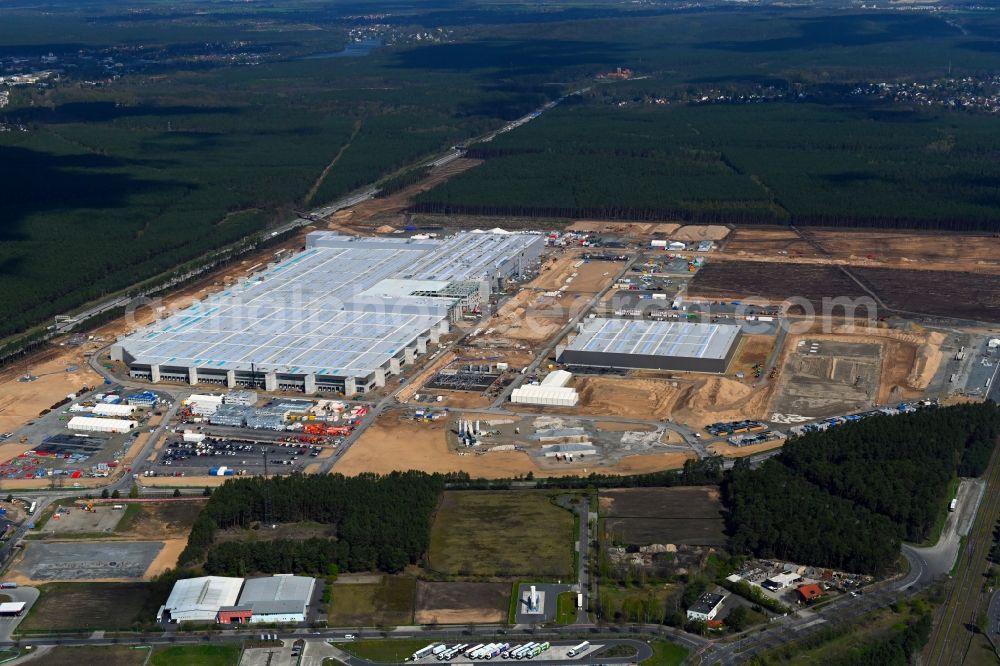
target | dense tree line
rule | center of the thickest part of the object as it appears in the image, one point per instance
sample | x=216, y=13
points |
x=807, y=164
x=844, y=498
x=380, y=522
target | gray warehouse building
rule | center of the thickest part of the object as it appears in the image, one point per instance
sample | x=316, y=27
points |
x=654, y=345
x=338, y=317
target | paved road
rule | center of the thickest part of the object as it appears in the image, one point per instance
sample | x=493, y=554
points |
x=7, y=624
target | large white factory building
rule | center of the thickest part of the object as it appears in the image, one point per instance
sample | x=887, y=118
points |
x=339, y=317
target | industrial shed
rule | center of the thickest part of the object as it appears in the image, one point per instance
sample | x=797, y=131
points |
x=282, y=598
x=200, y=599
x=655, y=345
x=91, y=424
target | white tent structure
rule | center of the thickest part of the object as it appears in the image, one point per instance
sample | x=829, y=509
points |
x=92, y=424
x=107, y=409
x=556, y=396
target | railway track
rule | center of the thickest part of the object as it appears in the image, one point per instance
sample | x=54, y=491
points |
x=951, y=637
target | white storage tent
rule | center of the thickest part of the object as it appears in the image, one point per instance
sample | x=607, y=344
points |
x=91, y=424
x=105, y=409
x=557, y=378
x=556, y=396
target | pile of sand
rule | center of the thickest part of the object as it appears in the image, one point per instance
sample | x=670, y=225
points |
x=385, y=229
x=925, y=366
x=717, y=393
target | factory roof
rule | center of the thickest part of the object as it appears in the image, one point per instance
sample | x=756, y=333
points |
x=342, y=307
x=278, y=594
x=655, y=338
x=205, y=594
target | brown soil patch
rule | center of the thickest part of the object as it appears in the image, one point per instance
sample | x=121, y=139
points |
x=461, y=603
x=21, y=402
x=696, y=232
x=391, y=210
x=397, y=443
x=559, y=268
x=167, y=558
x=462, y=399
x=416, y=383
x=629, y=398
x=753, y=349
x=184, y=481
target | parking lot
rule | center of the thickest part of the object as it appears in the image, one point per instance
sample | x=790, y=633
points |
x=236, y=453
x=79, y=560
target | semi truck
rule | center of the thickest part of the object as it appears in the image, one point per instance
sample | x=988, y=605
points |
x=423, y=652
x=520, y=652
x=472, y=650
x=578, y=649
x=438, y=649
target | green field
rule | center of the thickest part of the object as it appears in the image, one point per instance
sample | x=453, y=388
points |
x=197, y=655
x=566, y=608
x=105, y=655
x=501, y=534
x=388, y=603
x=386, y=652
x=802, y=163
x=666, y=654
x=91, y=606
x=635, y=604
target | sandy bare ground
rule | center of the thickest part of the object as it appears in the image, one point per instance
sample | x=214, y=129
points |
x=700, y=232
x=21, y=402
x=369, y=216
x=909, y=359
x=416, y=384
x=166, y=559
x=395, y=443
x=561, y=271
x=632, y=229
x=925, y=251
x=184, y=481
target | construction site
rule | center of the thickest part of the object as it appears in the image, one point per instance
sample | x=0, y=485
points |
x=495, y=347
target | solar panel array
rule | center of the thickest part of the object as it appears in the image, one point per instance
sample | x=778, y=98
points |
x=655, y=338
x=310, y=314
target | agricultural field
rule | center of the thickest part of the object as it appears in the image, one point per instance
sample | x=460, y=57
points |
x=196, y=655
x=679, y=516
x=90, y=606
x=383, y=601
x=939, y=293
x=111, y=655
x=942, y=293
x=461, y=603
x=772, y=282
x=501, y=534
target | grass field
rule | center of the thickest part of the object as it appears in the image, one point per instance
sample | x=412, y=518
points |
x=388, y=603
x=634, y=604
x=386, y=652
x=90, y=606
x=105, y=655
x=666, y=654
x=501, y=534
x=566, y=608
x=197, y=655
x=682, y=515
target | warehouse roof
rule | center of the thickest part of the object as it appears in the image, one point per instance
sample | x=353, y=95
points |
x=279, y=594
x=202, y=595
x=655, y=338
x=342, y=307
